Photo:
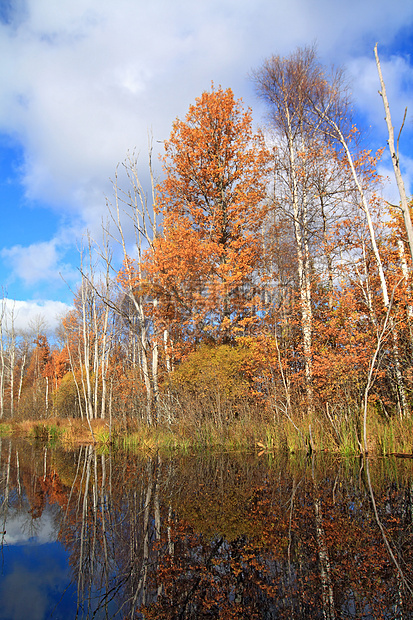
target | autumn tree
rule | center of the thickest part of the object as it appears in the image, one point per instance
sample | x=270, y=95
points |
x=331, y=116
x=288, y=86
x=212, y=202
x=33, y=393
x=322, y=180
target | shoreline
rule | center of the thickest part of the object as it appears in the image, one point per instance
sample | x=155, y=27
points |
x=385, y=437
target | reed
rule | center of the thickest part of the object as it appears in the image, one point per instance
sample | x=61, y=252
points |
x=252, y=431
x=394, y=436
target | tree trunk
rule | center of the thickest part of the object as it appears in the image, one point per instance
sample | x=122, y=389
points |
x=303, y=275
x=395, y=157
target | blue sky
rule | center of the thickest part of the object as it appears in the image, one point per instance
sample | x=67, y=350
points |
x=84, y=81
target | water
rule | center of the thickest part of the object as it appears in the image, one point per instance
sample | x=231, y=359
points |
x=91, y=535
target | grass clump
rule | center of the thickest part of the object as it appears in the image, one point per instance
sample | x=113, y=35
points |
x=394, y=436
x=5, y=429
x=50, y=433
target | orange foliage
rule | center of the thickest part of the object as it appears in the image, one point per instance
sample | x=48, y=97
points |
x=203, y=266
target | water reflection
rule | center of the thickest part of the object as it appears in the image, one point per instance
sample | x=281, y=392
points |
x=88, y=535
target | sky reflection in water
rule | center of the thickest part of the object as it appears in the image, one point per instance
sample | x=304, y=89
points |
x=36, y=582
x=204, y=536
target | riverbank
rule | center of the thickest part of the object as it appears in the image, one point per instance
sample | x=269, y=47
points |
x=303, y=433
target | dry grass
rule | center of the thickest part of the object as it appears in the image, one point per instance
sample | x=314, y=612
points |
x=77, y=431
x=301, y=433
x=69, y=431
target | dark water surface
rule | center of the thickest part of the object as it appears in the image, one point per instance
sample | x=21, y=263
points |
x=91, y=535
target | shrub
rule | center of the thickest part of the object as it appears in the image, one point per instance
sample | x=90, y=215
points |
x=214, y=382
x=66, y=401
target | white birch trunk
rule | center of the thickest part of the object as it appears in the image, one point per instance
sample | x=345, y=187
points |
x=87, y=387
x=395, y=158
x=12, y=359
x=303, y=278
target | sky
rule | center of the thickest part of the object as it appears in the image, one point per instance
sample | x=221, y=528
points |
x=84, y=82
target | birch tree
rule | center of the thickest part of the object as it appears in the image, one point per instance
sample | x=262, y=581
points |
x=333, y=118
x=8, y=344
x=395, y=155
x=286, y=85
x=133, y=208
x=88, y=336
x=2, y=356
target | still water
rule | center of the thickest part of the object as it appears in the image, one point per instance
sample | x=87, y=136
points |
x=98, y=535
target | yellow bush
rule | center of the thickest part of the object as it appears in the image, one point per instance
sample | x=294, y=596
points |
x=66, y=402
x=215, y=379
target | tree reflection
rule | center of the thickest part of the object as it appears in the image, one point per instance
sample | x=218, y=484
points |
x=223, y=536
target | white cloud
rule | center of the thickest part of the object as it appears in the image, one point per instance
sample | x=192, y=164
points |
x=25, y=313
x=22, y=529
x=38, y=262
x=85, y=80
x=32, y=263
x=398, y=77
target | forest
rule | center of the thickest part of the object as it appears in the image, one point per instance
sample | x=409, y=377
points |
x=261, y=285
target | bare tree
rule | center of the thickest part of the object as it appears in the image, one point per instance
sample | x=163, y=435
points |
x=134, y=204
x=2, y=356
x=394, y=152
x=95, y=338
x=8, y=345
